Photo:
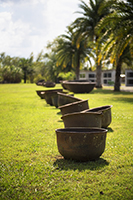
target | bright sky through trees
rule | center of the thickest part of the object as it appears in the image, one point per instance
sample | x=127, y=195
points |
x=27, y=25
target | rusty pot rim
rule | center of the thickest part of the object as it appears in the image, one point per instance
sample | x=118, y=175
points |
x=52, y=91
x=80, y=83
x=68, y=95
x=81, y=113
x=71, y=104
x=40, y=91
x=79, y=130
x=55, y=90
x=100, y=107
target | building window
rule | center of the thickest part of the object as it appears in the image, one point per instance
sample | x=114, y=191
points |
x=130, y=74
x=91, y=75
x=105, y=81
x=109, y=74
x=105, y=75
x=130, y=82
x=82, y=75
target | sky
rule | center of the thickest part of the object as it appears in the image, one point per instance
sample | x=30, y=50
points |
x=27, y=26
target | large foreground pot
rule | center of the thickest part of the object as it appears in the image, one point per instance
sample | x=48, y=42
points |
x=106, y=114
x=66, y=99
x=78, y=86
x=74, y=107
x=81, y=144
x=79, y=119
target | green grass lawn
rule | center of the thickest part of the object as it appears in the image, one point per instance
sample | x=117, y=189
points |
x=30, y=164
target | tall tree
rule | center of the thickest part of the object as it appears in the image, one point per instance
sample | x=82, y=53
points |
x=119, y=34
x=26, y=65
x=86, y=24
x=69, y=52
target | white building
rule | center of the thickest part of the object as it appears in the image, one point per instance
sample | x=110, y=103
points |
x=129, y=77
x=108, y=77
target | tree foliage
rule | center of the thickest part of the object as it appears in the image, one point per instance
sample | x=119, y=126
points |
x=71, y=51
x=117, y=40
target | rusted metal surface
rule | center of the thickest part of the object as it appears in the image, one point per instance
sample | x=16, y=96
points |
x=48, y=95
x=54, y=98
x=74, y=107
x=79, y=119
x=81, y=144
x=78, y=86
x=64, y=85
x=66, y=99
x=41, y=93
x=49, y=84
x=106, y=114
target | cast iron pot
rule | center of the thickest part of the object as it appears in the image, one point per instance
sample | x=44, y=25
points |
x=65, y=99
x=106, y=114
x=41, y=93
x=74, y=107
x=81, y=144
x=64, y=85
x=54, y=98
x=78, y=86
x=49, y=93
x=49, y=84
x=79, y=119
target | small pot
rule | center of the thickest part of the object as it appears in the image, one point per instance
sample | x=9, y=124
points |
x=106, y=114
x=78, y=86
x=81, y=144
x=74, y=107
x=79, y=119
x=49, y=84
x=66, y=99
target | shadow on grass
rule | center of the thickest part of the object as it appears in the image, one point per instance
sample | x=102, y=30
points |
x=108, y=91
x=58, y=113
x=110, y=129
x=64, y=164
x=117, y=96
x=124, y=99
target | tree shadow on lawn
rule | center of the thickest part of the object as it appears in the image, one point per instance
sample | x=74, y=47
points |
x=123, y=99
x=110, y=130
x=64, y=164
x=108, y=91
x=117, y=96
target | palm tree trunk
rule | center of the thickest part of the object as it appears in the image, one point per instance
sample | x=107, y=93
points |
x=98, y=76
x=117, y=77
x=98, y=70
x=25, y=76
x=77, y=68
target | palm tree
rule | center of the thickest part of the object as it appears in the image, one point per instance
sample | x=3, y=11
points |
x=118, y=36
x=85, y=26
x=26, y=65
x=69, y=52
x=124, y=58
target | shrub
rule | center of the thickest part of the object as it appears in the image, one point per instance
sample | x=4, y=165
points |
x=11, y=74
x=66, y=76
